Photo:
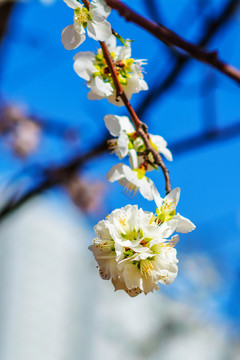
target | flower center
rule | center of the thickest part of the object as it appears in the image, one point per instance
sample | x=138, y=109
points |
x=166, y=211
x=123, y=68
x=82, y=16
x=128, y=252
x=141, y=171
x=132, y=234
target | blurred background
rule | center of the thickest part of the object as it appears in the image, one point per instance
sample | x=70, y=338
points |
x=53, y=304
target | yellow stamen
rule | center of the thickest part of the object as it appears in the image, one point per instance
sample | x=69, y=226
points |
x=146, y=267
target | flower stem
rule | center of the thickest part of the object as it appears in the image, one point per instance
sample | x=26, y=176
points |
x=140, y=127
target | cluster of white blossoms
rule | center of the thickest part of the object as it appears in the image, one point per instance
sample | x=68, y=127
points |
x=94, y=69
x=133, y=248
x=128, y=142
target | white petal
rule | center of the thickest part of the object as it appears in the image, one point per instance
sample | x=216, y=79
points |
x=124, y=53
x=83, y=64
x=120, y=285
x=126, y=124
x=184, y=225
x=115, y=173
x=167, y=228
x=143, y=85
x=73, y=4
x=102, y=229
x=157, y=197
x=132, y=276
x=99, y=31
x=116, y=124
x=92, y=96
x=123, y=145
x=146, y=188
x=112, y=99
x=99, y=87
x=133, y=158
x=111, y=43
x=158, y=141
x=174, y=240
x=173, y=197
x=167, y=153
x=134, y=85
x=148, y=285
x=161, y=146
x=98, y=13
x=70, y=38
x=101, y=7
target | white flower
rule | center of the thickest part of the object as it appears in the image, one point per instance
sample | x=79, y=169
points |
x=93, y=19
x=133, y=251
x=121, y=127
x=166, y=210
x=94, y=70
x=132, y=180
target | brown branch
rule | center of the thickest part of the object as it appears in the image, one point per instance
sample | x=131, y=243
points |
x=52, y=177
x=140, y=127
x=168, y=36
x=5, y=12
x=210, y=29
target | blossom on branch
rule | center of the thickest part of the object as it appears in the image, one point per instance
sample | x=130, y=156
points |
x=166, y=210
x=121, y=127
x=94, y=69
x=133, y=180
x=94, y=20
x=134, y=251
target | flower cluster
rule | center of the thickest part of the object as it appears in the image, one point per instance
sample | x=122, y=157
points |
x=128, y=142
x=133, y=248
x=94, y=69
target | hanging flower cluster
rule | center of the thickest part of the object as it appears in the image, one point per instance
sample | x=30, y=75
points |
x=133, y=248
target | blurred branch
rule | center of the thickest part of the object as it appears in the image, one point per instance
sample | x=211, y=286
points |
x=59, y=175
x=172, y=39
x=153, y=9
x=208, y=96
x=51, y=177
x=207, y=138
x=211, y=29
x=5, y=12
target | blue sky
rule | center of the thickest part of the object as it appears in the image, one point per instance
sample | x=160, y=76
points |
x=37, y=72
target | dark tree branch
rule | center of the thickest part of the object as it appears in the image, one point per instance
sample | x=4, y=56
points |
x=167, y=36
x=211, y=29
x=52, y=177
x=5, y=12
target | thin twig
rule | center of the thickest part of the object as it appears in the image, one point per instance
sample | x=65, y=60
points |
x=141, y=128
x=168, y=36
